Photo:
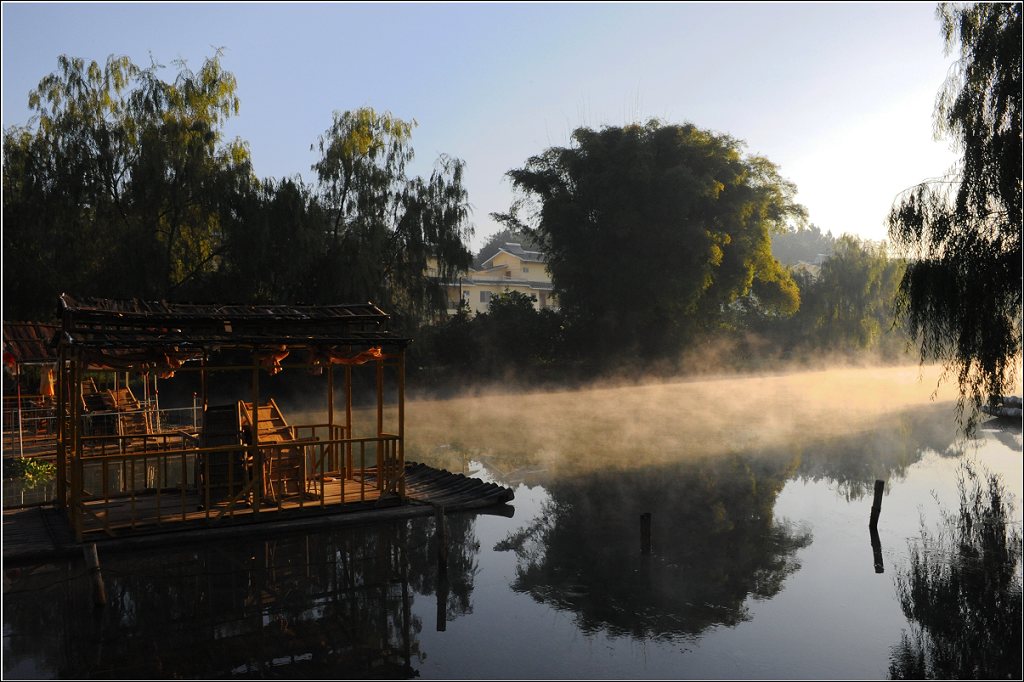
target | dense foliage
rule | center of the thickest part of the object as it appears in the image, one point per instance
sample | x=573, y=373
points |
x=651, y=229
x=122, y=186
x=663, y=240
x=962, y=592
x=961, y=294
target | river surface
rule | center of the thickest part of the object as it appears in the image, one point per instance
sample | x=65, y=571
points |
x=762, y=565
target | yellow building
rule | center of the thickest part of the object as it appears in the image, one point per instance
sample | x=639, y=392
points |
x=512, y=268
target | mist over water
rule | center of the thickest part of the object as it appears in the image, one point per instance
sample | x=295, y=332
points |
x=759, y=488
x=652, y=422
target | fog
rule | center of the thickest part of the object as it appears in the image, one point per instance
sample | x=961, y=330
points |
x=653, y=422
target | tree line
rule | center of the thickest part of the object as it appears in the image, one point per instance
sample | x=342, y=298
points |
x=123, y=185
x=662, y=239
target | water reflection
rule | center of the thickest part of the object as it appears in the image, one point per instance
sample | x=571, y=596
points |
x=856, y=460
x=961, y=592
x=328, y=604
x=717, y=542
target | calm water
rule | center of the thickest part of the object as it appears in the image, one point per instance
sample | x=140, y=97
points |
x=762, y=563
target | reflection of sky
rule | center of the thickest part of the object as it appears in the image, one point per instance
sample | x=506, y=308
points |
x=835, y=617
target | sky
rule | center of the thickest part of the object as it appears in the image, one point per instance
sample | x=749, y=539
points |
x=839, y=96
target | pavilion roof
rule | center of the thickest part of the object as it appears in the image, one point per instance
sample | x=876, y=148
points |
x=29, y=342
x=185, y=328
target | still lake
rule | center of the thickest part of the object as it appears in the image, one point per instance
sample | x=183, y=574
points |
x=759, y=490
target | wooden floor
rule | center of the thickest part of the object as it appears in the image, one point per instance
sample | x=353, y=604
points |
x=43, y=532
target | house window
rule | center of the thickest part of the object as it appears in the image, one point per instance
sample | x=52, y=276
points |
x=526, y=269
x=485, y=297
x=508, y=274
x=543, y=300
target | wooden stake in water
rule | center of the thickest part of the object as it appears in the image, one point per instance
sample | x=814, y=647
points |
x=876, y=506
x=92, y=562
x=442, y=568
x=645, y=533
x=876, y=550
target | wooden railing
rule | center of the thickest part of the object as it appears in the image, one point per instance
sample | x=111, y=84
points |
x=126, y=482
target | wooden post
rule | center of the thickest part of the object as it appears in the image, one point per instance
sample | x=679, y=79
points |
x=332, y=450
x=21, y=435
x=257, y=454
x=92, y=561
x=876, y=550
x=62, y=471
x=645, y=533
x=442, y=540
x=401, y=425
x=77, y=472
x=348, y=419
x=876, y=506
x=203, y=385
x=380, y=397
x=442, y=568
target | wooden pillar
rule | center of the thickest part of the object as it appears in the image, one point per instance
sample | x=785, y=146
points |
x=204, y=385
x=332, y=450
x=401, y=424
x=380, y=397
x=348, y=419
x=62, y=470
x=257, y=454
x=76, y=446
x=21, y=435
x=381, y=455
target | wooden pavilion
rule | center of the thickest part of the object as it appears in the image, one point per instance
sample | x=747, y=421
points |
x=243, y=460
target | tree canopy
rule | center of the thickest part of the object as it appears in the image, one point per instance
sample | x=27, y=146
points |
x=961, y=294
x=123, y=186
x=383, y=224
x=650, y=230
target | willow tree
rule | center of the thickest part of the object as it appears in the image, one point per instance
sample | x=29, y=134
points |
x=961, y=293
x=652, y=230
x=120, y=183
x=383, y=226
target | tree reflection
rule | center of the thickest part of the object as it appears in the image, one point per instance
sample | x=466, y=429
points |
x=854, y=462
x=332, y=604
x=715, y=540
x=962, y=591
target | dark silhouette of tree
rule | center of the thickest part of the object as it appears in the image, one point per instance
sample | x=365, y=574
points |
x=715, y=543
x=962, y=592
x=121, y=183
x=383, y=225
x=961, y=294
x=650, y=229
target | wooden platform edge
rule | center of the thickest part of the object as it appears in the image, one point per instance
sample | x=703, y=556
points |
x=494, y=502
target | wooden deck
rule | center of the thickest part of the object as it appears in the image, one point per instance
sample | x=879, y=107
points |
x=43, y=533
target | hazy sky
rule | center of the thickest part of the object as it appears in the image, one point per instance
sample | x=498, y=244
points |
x=840, y=96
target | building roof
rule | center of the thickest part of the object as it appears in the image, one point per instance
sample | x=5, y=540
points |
x=518, y=251
x=132, y=330
x=29, y=342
